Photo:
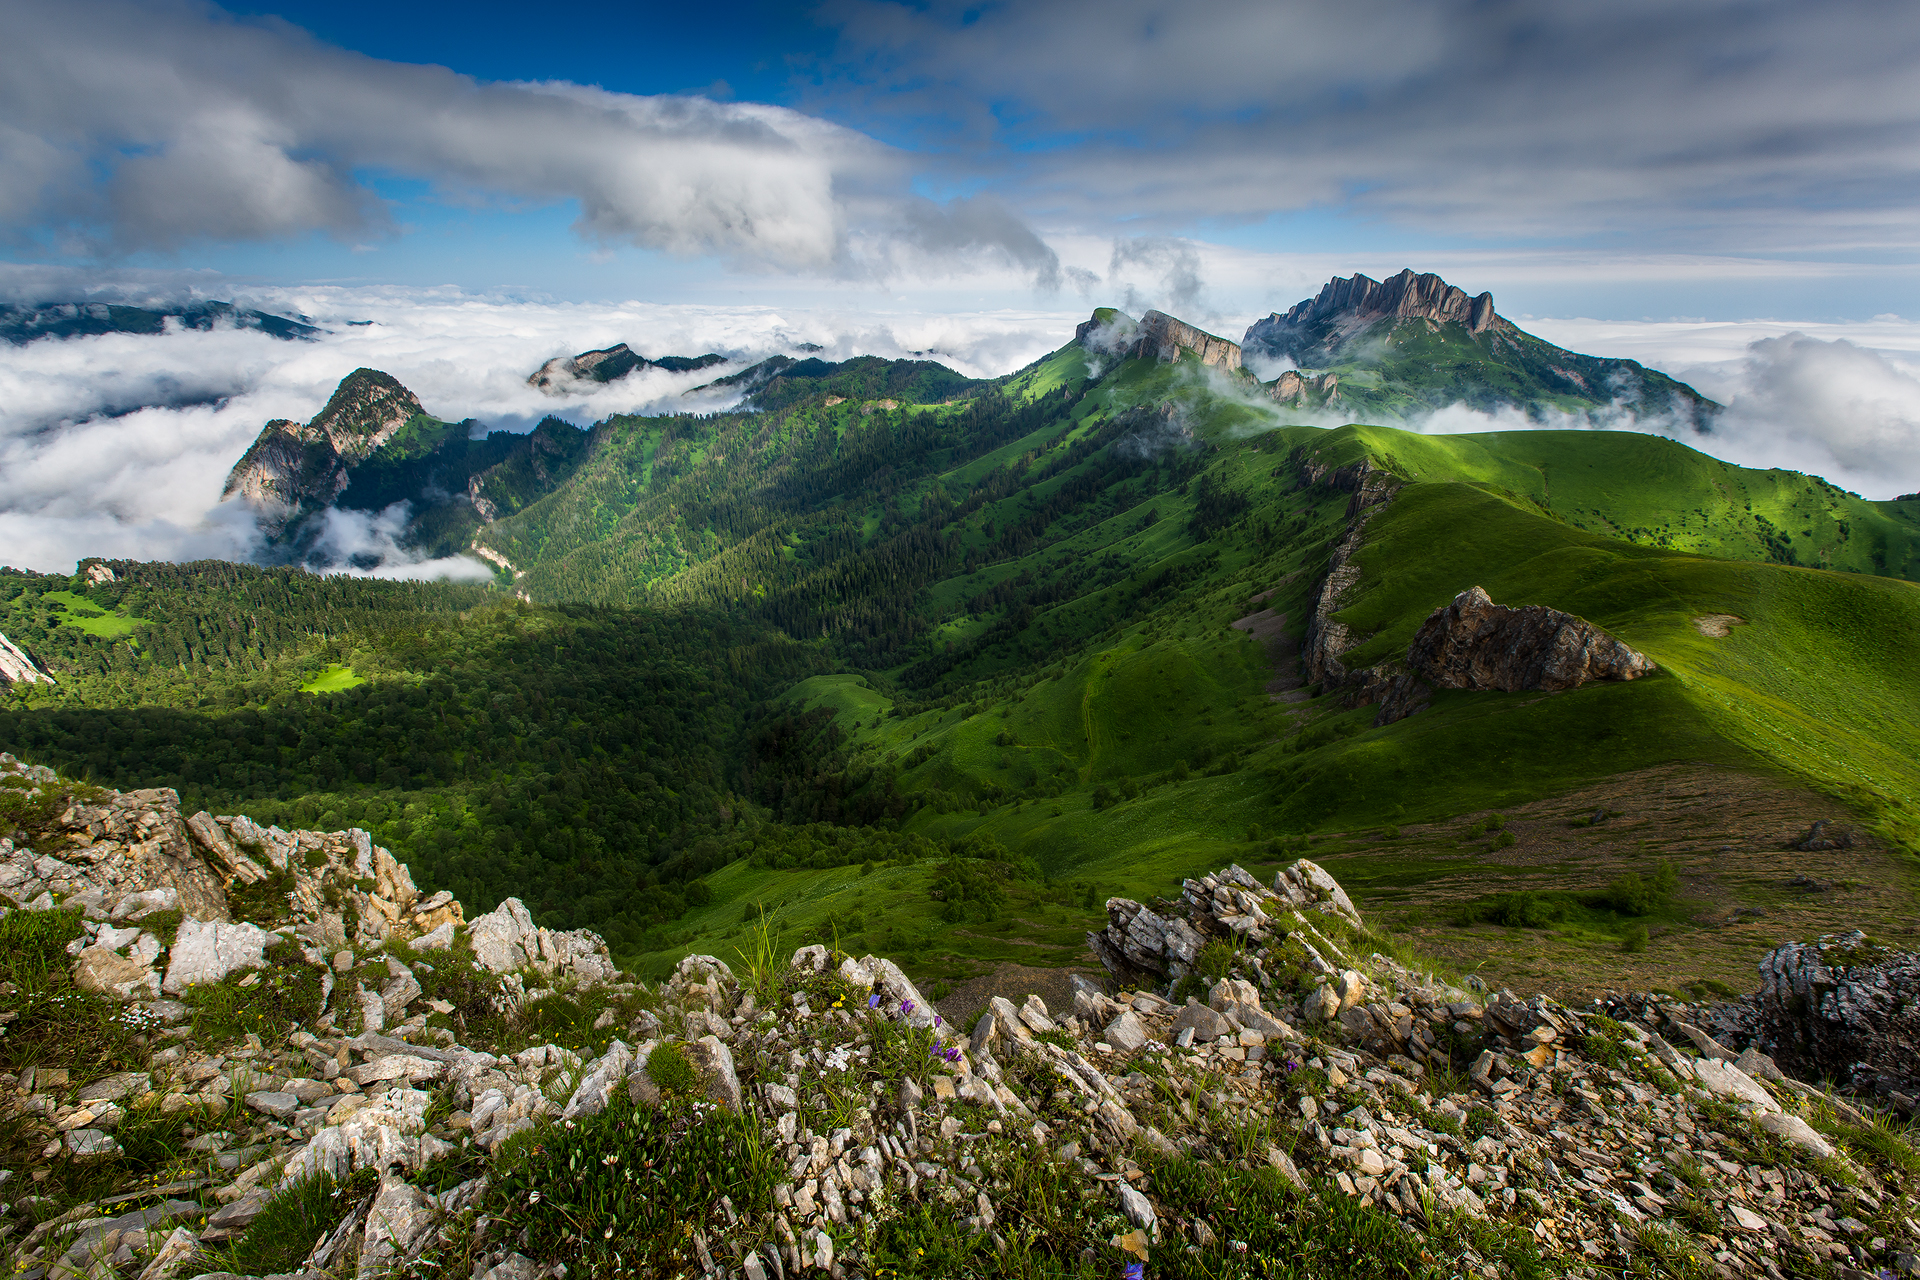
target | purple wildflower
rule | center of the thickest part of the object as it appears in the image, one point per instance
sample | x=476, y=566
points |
x=1134, y=1271
x=873, y=1001
x=936, y=1020
x=906, y=1007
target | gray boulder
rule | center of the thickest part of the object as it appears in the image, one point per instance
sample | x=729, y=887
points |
x=206, y=951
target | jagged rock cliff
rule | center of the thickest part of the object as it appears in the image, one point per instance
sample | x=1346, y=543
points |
x=1290, y=388
x=1268, y=1084
x=17, y=668
x=1155, y=336
x=1309, y=332
x=292, y=468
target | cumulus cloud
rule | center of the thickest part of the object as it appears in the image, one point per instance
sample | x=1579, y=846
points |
x=119, y=445
x=1699, y=123
x=153, y=126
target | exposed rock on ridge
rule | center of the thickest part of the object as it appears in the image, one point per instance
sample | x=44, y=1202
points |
x=17, y=668
x=1327, y=638
x=291, y=469
x=1844, y=1008
x=1348, y=305
x=1155, y=336
x=1473, y=643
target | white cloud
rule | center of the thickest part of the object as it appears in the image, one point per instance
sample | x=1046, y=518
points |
x=77, y=480
x=1716, y=124
x=1812, y=398
x=128, y=126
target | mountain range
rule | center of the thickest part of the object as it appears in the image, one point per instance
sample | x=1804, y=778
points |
x=935, y=664
x=21, y=323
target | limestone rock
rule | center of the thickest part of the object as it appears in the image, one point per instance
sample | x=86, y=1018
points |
x=385, y=1131
x=400, y=1216
x=1139, y=941
x=1791, y=1128
x=713, y=1061
x=1126, y=1033
x=1307, y=884
x=214, y=841
x=1729, y=1081
x=612, y=1067
x=103, y=970
x=1207, y=1025
x=17, y=668
x=207, y=951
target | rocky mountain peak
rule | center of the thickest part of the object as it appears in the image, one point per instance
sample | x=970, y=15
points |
x=1348, y=305
x=291, y=467
x=366, y=409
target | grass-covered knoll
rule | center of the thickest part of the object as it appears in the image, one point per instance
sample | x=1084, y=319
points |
x=1657, y=492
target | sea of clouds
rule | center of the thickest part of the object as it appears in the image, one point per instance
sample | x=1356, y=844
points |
x=120, y=445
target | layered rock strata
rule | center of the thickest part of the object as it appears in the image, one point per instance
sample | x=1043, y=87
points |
x=16, y=667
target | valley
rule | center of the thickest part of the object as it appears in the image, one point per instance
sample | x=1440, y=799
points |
x=934, y=666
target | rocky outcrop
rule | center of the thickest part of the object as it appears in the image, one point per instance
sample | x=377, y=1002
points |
x=1474, y=643
x=17, y=668
x=559, y=376
x=1328, y=639
x=1162, y=945
x=1309, y=331
x=1294, y=389
x=1155, y=336
x=291, y=468
x=1591, y=1137
x=1845, y=1008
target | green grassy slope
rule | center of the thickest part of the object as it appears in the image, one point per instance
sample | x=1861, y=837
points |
x=1123, y=737
x=1657, y=491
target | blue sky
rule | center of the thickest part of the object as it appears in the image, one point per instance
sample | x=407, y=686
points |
x=1719, y=159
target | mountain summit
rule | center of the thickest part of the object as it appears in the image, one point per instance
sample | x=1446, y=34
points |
x=1310, y=331
x=292, y=468
x=1413, y=344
